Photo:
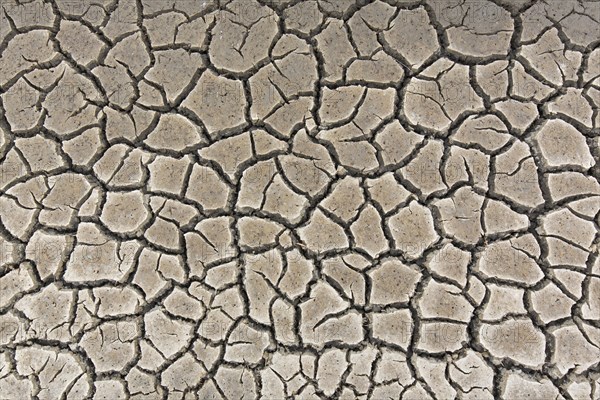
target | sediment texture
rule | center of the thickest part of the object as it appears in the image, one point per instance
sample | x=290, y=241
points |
x=281, y=199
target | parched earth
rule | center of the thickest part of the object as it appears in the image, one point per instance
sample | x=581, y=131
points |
x=281, y=199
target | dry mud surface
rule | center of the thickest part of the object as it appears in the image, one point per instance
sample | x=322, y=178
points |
x=280, y=199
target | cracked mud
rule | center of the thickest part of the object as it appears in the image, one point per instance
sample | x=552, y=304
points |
x=282, y=199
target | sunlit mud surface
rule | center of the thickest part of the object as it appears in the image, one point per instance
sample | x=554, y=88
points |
x=280, y=199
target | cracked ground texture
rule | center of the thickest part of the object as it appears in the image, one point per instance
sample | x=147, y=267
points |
x=281, y=199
